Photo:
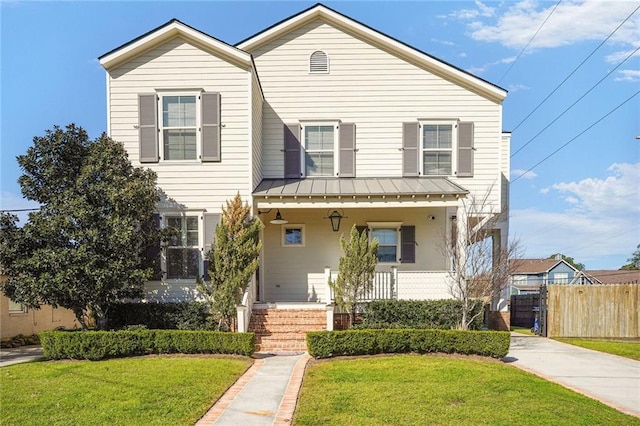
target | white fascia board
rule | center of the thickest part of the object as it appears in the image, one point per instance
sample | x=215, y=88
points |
x=492, y=92
x=172, y=30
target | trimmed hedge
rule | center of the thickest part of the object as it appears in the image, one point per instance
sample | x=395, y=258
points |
x=325, y=344
x=431, y=314
x=95, y=345
x=161, y=316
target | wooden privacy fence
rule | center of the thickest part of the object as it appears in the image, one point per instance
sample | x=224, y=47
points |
x=598, y=311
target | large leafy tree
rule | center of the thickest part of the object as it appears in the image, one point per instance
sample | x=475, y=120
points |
x=356, y=269
x=87, y=245
x=570, y=260
x=233, y=260
x=634, y=260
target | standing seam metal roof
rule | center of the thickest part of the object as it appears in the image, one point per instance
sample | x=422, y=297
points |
x=358, y=187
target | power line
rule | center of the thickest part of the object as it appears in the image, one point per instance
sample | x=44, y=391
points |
x=534, y=36
x=19, y=210
x=575, y=69
x=577, y=100
x=576, y=137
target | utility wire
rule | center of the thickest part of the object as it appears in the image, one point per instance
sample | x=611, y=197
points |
x=576, y=101
x=575, y=69
x=19, y=210
x=534, y=36
x=577, y=136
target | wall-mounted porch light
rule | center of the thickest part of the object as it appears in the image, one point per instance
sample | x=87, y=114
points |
x=335, y=217
x=278, y=219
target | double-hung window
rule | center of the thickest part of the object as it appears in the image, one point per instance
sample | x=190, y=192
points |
x=179, y=127
x=388, y=236
x=437, y=148
x=319, y=149
x=183, y=251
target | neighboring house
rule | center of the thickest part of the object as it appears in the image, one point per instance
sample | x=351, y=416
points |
x=527, y=275
x=320, y=123
x=15, y=319
x=607, y=276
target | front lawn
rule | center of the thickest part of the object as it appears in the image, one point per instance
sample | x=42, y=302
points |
x=161, y=390
x=627, y=349
x=522, y=330
x=432, y=389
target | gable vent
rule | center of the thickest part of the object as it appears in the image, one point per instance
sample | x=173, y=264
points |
x=319, y=62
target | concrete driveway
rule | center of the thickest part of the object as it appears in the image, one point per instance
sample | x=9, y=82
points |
x=610, y=379
x=11, y=356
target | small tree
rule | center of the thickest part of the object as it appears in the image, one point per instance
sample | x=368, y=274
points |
x=570, y=260
x=479, y=270
x=86, y=247
x=356, y=270
x=634, y=260
x=233, y=260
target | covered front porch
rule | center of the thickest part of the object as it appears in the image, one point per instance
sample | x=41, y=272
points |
x=304, y=220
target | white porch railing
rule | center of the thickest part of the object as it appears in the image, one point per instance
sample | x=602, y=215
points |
x=244, y=310
x=403, y=285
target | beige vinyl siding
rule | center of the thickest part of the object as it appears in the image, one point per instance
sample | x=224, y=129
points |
x=178, y=64
x=256, y=123
x=295, y=274
x=372, y=88
x=505, y=168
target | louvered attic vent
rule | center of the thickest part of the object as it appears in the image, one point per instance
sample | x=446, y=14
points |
x=319, y=62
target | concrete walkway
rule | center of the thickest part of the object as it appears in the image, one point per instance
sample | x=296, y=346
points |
x=10, y=356
x=265, y=395
x=611, y=379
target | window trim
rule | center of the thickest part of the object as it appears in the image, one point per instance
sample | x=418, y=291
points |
x=21, y=311
x=163, y=258
x=198, y=125
x=336, y=147
x=283, y=232
x=454, y=145
x=388, y=225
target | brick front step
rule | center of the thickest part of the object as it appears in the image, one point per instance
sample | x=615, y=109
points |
x=284, y=330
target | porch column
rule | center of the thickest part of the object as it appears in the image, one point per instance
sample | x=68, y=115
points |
x=330, y=317
x=242, y=318
x=327, y=289
x=461, y=239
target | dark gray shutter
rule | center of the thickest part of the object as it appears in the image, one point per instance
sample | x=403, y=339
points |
x=408, y=244
x=410, y=149
x=210, y=105
x=347, y=160
x=362, y=229
x=148, y=127
x=465, y=149
x=210, y=222
x=153, y=252
x=292, y=149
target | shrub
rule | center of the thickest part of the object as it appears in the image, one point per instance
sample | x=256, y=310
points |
x=324, y=344
x=431, y=314
x=95, y=345
x=161, y=316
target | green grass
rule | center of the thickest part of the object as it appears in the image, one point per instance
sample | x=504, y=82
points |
x=627, y=349
x=521, y=330
x=160, y=390
x=413, y=389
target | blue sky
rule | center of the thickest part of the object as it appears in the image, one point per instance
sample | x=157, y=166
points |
x=583, y=201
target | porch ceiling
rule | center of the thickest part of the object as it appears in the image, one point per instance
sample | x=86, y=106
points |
x=358, y=187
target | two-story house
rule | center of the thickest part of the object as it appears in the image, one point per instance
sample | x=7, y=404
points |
x=527, y=275
x=320, y=123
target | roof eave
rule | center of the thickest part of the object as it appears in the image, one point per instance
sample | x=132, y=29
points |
x=489, y=90
x=171, y=29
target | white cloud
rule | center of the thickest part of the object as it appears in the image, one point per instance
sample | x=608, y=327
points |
x=526, y=174
x=571, y=22
x=516, y=87
x=628, y=75
x=485, y=67
x=619, y=56
x=602, y=220
x=445, y=42
x=463, y=55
